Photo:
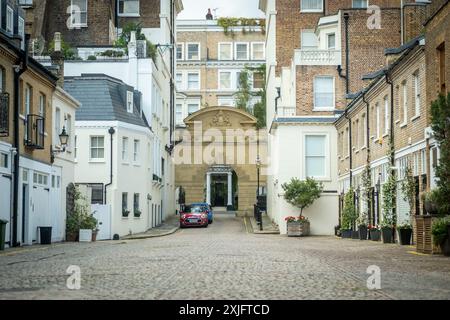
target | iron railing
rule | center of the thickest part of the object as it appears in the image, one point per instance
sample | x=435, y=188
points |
x=4, y=114
x=34, y=134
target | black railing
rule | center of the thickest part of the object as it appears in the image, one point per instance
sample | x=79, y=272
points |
x=4, y=114
x=35, y=128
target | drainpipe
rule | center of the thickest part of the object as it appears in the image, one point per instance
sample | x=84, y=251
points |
x=276, y=99
x=172, y=71
x=111, y=132
x=402, y=21
x=368, y=151
x=350, y=146
x=391, y=133
x=19, y=69
x=347, y=54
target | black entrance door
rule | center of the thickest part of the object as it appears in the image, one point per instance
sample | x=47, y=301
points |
x=219, y=195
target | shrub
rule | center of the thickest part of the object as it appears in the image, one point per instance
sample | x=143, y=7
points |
x=302, y=194
x=439, y=230
x=349, y=214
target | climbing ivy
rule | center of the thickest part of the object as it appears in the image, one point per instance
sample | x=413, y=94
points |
x=248, y=24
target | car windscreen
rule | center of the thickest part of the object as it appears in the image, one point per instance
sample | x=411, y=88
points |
x=195, y=209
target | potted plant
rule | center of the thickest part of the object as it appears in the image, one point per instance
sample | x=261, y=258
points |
x=408, y=187
x=405, y=233
x=441, y=234
x=125, y=213
x=137, y=213
x=362, y=226
x=297, y=226
x=302, y=194
x=374, y=232
x=389, y=217
x=387, y=230
x=337, y=231
x=88, y=226
x=349, y=215
x=77, y=216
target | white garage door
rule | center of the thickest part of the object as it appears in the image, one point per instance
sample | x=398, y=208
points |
x=5, y=202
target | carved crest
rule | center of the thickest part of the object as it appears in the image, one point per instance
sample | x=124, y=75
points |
x=220, y=120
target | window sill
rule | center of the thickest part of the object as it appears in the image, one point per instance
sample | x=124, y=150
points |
x=415, y=117
x=327, y=109
x=397, y=121
x=129, y=15
x=97, y=161
x=363, y=148
x=136, y=164
x=385, y=135
x=404, y=124
x=311, y=11
x=125, y=163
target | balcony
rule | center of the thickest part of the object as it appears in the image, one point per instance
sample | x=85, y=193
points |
x=34, y=132
x=284, y=112
x=4, y=114
x=317, y=57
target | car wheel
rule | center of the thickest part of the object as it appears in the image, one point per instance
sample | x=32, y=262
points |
x=206, y=225
x=181, y=226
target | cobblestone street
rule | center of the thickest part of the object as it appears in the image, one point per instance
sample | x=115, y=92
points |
x=224, y=261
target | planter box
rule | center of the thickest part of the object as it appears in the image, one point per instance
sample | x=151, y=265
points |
x=355, y=235
x=346, y=234
x=72, y=237
x=297, y=229
x=375, y=235
x=362, y=230
x=85, y=235
x=387, y=235
x=405, y=236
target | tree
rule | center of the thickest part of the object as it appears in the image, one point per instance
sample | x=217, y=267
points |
x=243, y=95
x=440, y=123
x=302, y=194
x=409, y=189
x=349, y=214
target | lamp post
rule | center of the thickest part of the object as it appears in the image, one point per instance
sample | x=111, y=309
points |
x=63, y=139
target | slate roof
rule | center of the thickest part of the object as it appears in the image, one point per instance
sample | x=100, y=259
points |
x=104, y=98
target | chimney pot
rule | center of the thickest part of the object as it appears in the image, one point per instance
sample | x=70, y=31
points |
x=57, y=40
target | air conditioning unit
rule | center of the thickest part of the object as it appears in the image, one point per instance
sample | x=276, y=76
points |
x=141, y=49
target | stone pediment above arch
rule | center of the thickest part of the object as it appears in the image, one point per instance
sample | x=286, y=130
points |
x=221, y=118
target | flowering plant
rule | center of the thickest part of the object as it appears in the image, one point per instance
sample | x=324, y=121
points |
x=373, y=227
x=301, y=219
x=290, y=219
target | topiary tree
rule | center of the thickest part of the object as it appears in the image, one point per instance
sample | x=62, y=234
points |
x=349, y=214
x=302, y=194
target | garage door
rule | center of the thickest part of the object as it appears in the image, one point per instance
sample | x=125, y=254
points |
x=5, y=202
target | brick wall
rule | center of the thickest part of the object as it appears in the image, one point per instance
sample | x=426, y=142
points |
x=414, y=17
x=149, y=12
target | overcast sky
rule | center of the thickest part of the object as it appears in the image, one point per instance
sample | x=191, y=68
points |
x=197, y=9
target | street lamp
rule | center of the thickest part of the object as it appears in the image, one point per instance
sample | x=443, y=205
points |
x=258, y=167
x=63, y=139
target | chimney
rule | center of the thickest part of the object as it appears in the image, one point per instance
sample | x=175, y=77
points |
x=209, y=15
x=57, y=58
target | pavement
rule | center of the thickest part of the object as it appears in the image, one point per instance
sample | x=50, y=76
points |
x=168, y=227
x=268, y=226
x=224, y=261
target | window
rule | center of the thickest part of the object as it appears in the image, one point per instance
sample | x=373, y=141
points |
x=192, y=108
x=224, y=80
x=377, y=109
x=9, y=19
x=179, y=81
x=193, y=81
x=315, y=156
x=226, y=101
x=324, y=92
x=40, y=178
x=225, y=51
x=136, y=151
x=258, y=51
x=97, y=148
x=4, y=163
x=78, y=12
x=163, y=166
x=258, y=80
x=311, y=5
x=136, y=202
x=308, y=40
x=331, y=41
x=359, y=4
x=75, y=148
x=21, y=28
x=346, y=142
x=69, y=128
x=42, y=105
x=57, y=125
x=180, y=52
x=442, y=70
x=96, y=194
x=405, y=103
x=179, y=113
x=124, y=149
x=241, y=51
x=129, y=7
x=238, y=79
x=130, y=102
x=356, y=135
x=364, y=129
x=124, y=201
x=193, y=51
x=386, y=116
x=417, y=94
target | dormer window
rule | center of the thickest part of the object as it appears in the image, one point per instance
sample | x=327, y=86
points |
x=130, y=103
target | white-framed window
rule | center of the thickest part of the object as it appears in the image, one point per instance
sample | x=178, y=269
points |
x=179, y=79
x=69, y=129
x=130, y=102
x=97, y=147
x=225, y=51
x=192, y=107
x=179, y=113
x=311, y=5
x=57, y=125
x=129, y=8
x=405, y=103
x=416, y=165
x=360, y=4
x=323, y=92
x=258, y=51
x=124, y=201
x=423, y=161
x=78, y=11
x=4, y=160
x=416, y=93
x=331, y=41
x=9, y=19
x=193, y=51
x=364, y=128
x=225, y=101
x=357, y=137
x=40, y=179
x=241, y=51
x=386, y=115
x=136, y=147
x=125, y=149
x=193, y=80
x=378, y=120
x=21, y=27
x=315, y=156
x=225, y=80
x=180, y=51
x=308, y=40
x=75, y=147
x=346, y=142
x=258, y=80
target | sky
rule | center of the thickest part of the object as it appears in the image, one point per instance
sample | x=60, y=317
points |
x=197, y=9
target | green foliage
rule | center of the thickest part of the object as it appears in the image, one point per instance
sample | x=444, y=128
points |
x=302, y=194
x=248, y=24
x=349, y=214
x=409, y=188
x=112, y=53
x=91, y=58
x=388, y=205
x=81, y=218
x=68, y=52
x=439, y=230
x=125, y=37
x=440, y=123
x=243, y=95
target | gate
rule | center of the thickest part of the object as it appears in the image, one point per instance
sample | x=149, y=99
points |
x=102, y=212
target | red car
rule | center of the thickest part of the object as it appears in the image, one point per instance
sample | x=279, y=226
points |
x=194, y=216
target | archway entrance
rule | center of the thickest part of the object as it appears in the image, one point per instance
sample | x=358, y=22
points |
x=221, y=187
